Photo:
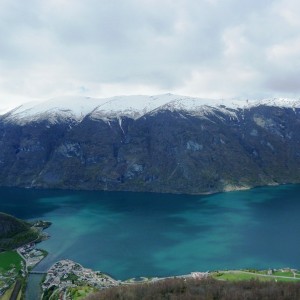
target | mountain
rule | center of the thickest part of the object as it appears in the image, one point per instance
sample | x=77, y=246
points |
x=9, y=226
x=165, y=143
x=15, y=232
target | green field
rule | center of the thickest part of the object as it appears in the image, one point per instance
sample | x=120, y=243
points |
x=239, y=276
x=285, y=273
x=236, y=276
x=80, y=292
x=8, y=293
x=8, y=260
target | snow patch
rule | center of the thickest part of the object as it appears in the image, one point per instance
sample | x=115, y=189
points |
x=194, y=146
x=106, y=109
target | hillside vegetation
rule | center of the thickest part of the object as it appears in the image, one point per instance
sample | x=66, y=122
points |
x=208, y=289
x=15, y=232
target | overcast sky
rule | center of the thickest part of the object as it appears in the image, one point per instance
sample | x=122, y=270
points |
x=101, y=48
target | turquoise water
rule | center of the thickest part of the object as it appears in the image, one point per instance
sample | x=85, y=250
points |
x=144, y=234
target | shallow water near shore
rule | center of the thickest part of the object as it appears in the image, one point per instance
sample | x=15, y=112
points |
x=143, y=234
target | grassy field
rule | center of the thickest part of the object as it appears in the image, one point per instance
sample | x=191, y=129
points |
x=236, y=276
x=239, y=276
x=286, y=274
x=8, y=259
x=8, y=293
x=81, y=292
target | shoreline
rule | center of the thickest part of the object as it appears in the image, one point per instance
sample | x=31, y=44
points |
x=227, y=189
x=57, y=281
x=63, y=286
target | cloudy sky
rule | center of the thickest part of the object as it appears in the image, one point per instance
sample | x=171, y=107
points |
x=101, y=48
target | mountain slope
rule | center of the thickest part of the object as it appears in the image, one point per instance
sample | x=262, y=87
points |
x=9, y=226
x=15, y=232
x=163, y=143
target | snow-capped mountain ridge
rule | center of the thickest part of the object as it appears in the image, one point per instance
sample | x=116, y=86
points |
x=76, y=108
x=151, y=143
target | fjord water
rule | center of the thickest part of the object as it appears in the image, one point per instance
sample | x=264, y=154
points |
x=143, y=234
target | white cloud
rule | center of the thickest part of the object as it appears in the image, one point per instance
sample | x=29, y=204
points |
x=205, y=48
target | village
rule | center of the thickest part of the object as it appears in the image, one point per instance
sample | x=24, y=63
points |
x=66, y=273
x=7, y=279
x=18, y=264
x=31, y=255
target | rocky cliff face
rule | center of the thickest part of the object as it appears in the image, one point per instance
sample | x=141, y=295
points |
x=171, y=148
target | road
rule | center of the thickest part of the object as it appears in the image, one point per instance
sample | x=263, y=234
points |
x=262, y=275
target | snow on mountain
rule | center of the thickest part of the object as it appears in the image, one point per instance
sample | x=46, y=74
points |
x=278, y=102
x=54, y=109
x=131, y=106
x=202, y=107
x=76, y=108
